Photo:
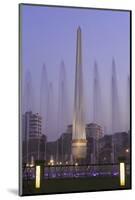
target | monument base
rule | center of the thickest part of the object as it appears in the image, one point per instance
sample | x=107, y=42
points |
x=79, y=149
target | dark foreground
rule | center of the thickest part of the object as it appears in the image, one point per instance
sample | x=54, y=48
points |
x=52, y=186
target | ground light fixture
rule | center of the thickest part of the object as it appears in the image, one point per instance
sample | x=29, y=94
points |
x=122, y=174
x=38, y=176
x=122, y=170
x=39, y=172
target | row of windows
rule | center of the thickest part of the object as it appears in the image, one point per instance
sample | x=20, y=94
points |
x=34, y=132
x=35, y=120
x=34, y=127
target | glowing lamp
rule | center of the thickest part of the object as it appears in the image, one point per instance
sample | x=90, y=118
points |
x=51, y=161
x=122, y=174
x=38, y=176
x=127, y=150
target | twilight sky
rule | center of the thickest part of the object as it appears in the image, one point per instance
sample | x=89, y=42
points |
x=49, y=36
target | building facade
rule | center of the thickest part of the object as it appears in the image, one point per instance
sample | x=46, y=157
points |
x=34, y=142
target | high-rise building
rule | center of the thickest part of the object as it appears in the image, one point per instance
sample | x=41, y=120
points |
x=65, y=142
x=94, y=133
x=121, y=146
x=79, y=142
x=34, y=141
x=94, y=130
x=105, y=149
x=69, y=128
x=31, y=125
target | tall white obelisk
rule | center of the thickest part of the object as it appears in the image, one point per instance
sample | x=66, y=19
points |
x=79, y=142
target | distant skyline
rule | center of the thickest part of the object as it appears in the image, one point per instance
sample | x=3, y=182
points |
x=49, y=37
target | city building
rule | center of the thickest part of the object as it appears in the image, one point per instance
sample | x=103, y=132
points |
x=60, y=149
x=65, y=144
x=94, y=130
x=31, y=125
x=33, y=139
x=51, y=151
x=116, y=145
x=94, y=133
x=121, y=146
x=69, y=129
x=105, y=149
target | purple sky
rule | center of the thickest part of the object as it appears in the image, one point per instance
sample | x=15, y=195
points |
x=49, y=36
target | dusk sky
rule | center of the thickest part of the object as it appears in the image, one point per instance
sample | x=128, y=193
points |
x=49, y=36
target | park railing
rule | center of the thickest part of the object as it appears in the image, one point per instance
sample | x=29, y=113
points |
x=75, y=171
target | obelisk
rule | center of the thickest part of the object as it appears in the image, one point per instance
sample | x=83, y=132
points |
x=79, y=142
